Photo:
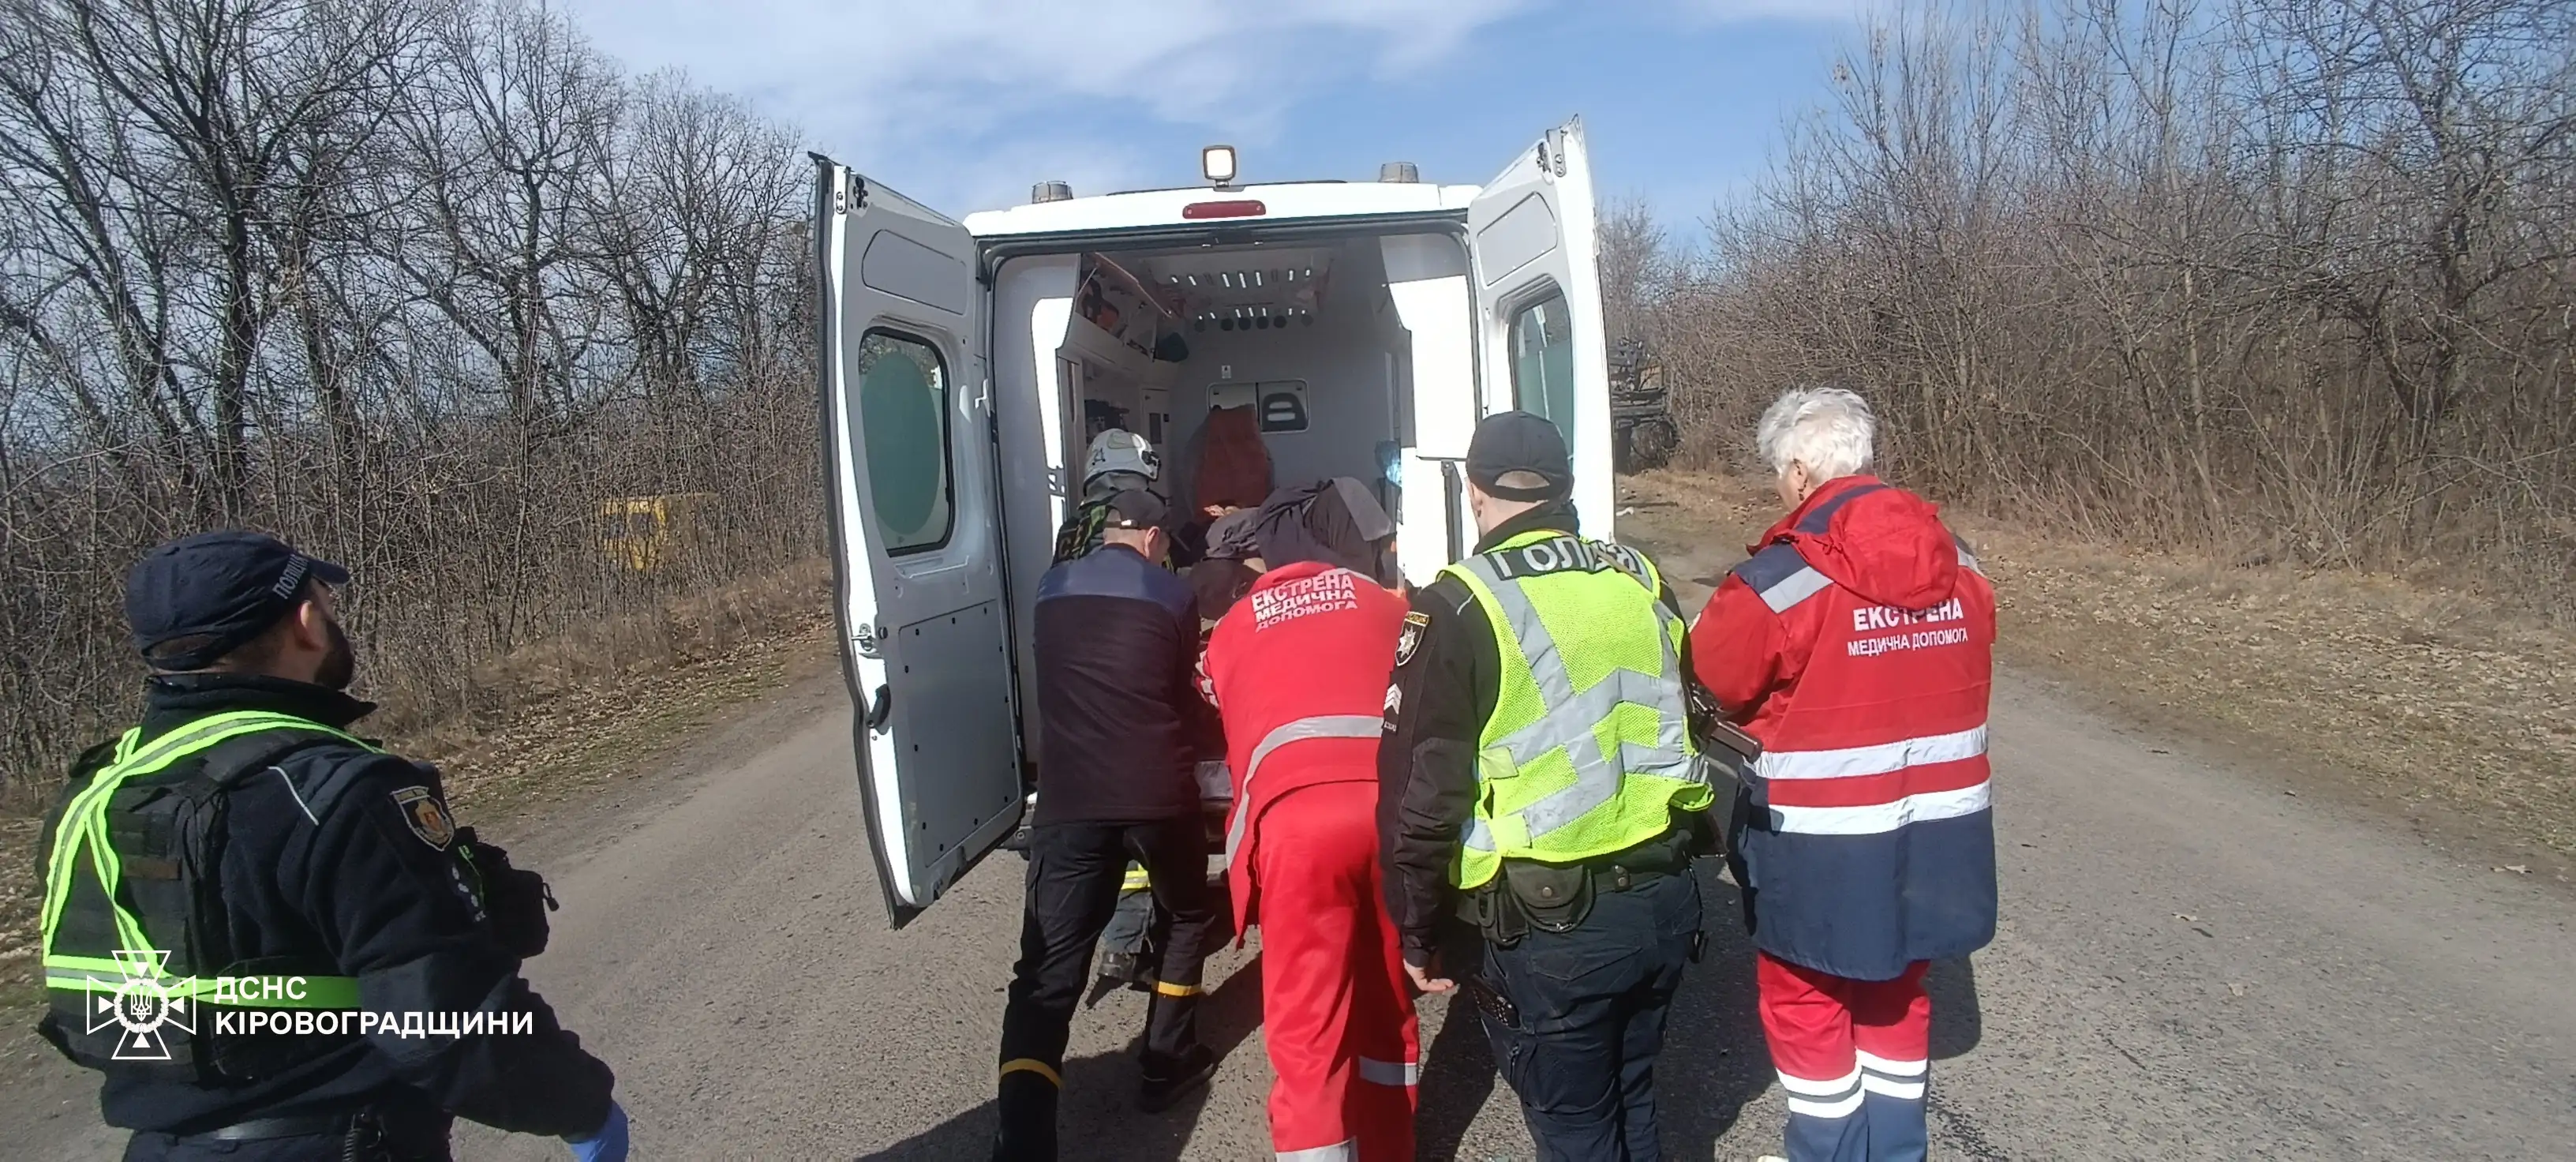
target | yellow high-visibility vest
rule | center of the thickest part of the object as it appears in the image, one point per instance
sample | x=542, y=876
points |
x=1588, y=750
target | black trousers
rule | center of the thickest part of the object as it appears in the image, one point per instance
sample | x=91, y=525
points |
x=1074, y=873
x=1580, y=1018
x=405, y=1134
x=146, y=1146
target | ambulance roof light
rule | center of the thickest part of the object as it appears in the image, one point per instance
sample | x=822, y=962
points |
x=1218, y=162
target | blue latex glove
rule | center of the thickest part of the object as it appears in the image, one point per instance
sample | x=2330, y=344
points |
x=605, y=1144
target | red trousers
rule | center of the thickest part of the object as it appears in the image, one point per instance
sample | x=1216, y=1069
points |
x=1852, y=1056
x=1336, y=1014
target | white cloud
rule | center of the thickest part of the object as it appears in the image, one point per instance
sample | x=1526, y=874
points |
x=985, y=90
x=1727, y=11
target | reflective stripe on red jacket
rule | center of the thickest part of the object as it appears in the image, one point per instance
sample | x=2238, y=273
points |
x=1298, y=668
x=1857, y=644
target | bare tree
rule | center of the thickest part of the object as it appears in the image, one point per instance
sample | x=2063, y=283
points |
x=2290, y=276
x=1635, y=265
x=509, y=147
x=359, y=271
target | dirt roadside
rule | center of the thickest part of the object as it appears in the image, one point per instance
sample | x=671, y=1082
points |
x=716, y=948
x=572, y=747
x=580, y=770
x=2454, y=723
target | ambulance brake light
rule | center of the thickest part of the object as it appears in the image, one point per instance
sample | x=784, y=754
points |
x=1245, y=208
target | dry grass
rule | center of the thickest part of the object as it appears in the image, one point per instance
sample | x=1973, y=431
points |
x=620, y=665
x=2440, y=704
x=587, y=709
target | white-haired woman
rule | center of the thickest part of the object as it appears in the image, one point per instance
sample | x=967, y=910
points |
x=1857, y=644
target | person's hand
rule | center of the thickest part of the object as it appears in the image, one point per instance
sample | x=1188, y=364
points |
x=605, y=1144
x=1423, y=980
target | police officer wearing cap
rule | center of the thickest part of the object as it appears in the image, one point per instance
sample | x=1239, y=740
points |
x=1542, y=795
x=266, y=931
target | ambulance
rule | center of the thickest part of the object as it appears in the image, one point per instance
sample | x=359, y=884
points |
x=965, y=365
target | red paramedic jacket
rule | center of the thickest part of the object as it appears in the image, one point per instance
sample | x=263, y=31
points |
x=1298, y=668
x=1857, y=644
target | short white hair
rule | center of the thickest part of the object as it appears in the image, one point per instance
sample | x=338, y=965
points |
x=1828, y=429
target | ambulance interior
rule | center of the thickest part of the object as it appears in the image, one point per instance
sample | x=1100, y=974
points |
x=1313, y=345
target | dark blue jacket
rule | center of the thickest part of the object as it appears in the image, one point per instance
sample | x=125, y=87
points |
x=324, y=862
x=1118, y=702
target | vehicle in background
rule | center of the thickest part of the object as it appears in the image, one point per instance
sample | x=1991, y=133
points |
x=1641, y=412
x=648, y=534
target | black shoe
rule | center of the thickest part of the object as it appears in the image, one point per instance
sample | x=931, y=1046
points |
x=1026, y=1132
x=1167, y=1082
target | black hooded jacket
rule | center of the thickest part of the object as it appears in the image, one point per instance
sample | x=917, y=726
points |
x=1335, y=521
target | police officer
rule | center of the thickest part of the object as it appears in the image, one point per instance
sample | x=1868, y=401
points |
x=1541, y=795
x=255, y=919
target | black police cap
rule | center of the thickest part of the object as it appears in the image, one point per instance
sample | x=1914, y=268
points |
x=1135, y=508
x=227, y=587
x=1508, y=442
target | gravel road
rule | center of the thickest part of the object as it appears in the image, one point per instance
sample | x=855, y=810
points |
x=2193, y=963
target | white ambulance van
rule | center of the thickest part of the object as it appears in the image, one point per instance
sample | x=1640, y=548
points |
x=964, y=366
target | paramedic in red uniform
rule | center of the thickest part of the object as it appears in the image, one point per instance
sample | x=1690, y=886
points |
x=1857, y=645
x=1299, y=670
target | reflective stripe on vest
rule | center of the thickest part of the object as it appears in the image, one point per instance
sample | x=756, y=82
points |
x=258, y=992
x=84, y=829
x=1571, y=719
x=1320, y=726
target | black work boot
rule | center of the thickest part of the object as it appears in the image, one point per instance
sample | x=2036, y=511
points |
x=1026, y=1102
x=1169, y=1079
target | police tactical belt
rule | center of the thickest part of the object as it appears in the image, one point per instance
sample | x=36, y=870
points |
x=1550, y=897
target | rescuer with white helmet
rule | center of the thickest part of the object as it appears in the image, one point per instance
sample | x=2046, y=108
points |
x=1119, y=460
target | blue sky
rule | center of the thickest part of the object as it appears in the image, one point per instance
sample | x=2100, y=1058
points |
x=963, y=103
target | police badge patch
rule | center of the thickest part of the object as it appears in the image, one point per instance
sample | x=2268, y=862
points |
x=427, y=816
x=1414, y=624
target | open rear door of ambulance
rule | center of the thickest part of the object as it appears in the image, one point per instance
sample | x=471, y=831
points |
x=925, y=639
x=1540, y=346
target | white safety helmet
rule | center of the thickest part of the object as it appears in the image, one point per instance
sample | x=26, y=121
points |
x=1120, y=450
